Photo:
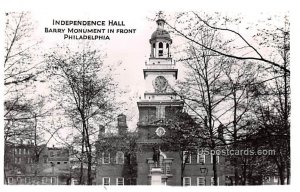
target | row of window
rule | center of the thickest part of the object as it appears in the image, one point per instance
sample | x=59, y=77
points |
x=58, y=153
x=19, y=151
x=200, y=181
x=119, y=158
x=160, y=45
x=29, y=180
x=58, y=162
x=187, y=158
x=19, y=159
x=119, y=181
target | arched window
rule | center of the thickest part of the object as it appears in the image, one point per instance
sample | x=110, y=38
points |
x=160, y=45
x=119, y=157
x=168, y=49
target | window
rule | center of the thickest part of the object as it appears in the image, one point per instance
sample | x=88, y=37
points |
x=51, y=154
x=27, y=180
x=120, y=157
x=18, y=180
x=186, y=157
x=160, y=45
x=105, y=158
x=20, y=151
x=186, y=181
x=44, y=180
x=16, y=151
x=45, y=159
x=10, y=180
x=275, y=179
x=212, y=181
x=17, y=160
x=53, y=180
x=24, y=151
x=65, y=162
x=217, y=158
x=106, y=181
x=28, y=152
x=200, y=158
x=200, y=181
x=29, y=160
x=58, y=163
x=168, y=169
x=153, y=45
x=160, y=52
x=120, y=181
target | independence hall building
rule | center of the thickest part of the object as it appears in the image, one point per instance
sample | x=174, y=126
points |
x=144, y=158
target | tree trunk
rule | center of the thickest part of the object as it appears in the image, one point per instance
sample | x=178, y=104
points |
x=215, y=170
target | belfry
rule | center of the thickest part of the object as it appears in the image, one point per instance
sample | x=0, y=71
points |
x=156, y=107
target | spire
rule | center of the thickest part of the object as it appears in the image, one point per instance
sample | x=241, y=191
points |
x=160, y=20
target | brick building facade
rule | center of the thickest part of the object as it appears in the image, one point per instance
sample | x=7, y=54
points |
x=156, y=109
x=22, y=168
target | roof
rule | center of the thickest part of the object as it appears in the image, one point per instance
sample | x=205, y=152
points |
x=160, y=34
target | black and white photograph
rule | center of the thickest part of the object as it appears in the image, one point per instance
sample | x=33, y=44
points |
x=180, y=98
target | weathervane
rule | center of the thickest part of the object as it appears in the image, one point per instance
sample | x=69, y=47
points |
x=160, y=15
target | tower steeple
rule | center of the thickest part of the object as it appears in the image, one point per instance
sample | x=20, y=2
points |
x=160, y=41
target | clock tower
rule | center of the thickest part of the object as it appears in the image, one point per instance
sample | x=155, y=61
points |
x=157, y=106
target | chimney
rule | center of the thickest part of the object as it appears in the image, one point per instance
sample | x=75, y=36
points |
x=101, y=130
x=122, y=124
x=221, y=132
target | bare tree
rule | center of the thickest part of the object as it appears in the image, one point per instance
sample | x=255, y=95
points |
x=21, y=67
x=202, y=89
x=85, y=89
x=244, y=50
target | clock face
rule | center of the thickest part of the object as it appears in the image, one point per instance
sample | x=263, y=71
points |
x=160, y=83
x=160, y=131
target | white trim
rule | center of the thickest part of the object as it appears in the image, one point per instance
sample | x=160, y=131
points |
x=276, y=179
x=117, y=162
x=104, y=179
x=44, y=182
x=217, y=158
x=8, y=180
x=27, y=180
x=212, y=181
x=189, y=158
x=52, y=180
x=198, y=179
x=190, y=181
x=103, y=157
x=117, y=183
x=19, y=180
x=198, y=157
